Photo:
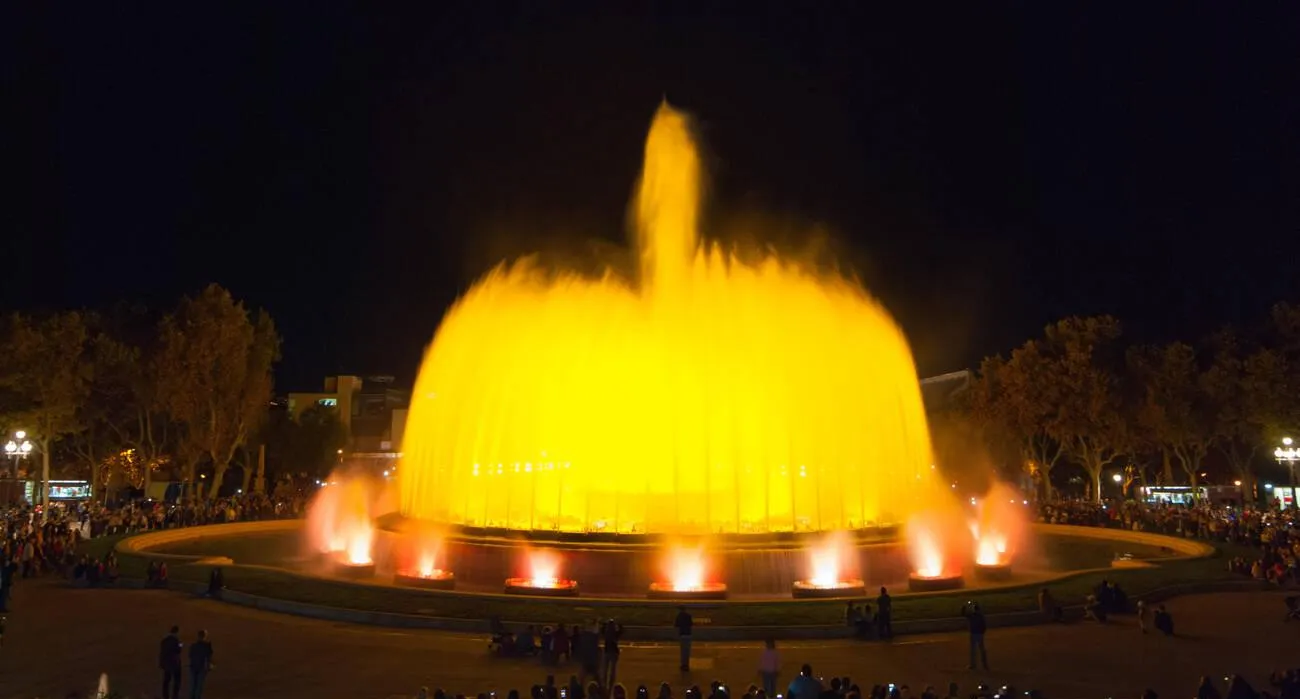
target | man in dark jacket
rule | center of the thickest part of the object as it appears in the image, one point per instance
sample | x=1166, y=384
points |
x=683, y=624
x=610, y=633
x=169, y=661
x=200, y=663
x=975, y=620
x=885, y=615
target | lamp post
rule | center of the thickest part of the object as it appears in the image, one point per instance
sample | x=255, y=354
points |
x=1289, y=455
x=18, y=447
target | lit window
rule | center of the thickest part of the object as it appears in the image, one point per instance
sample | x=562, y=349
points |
x=328, y=402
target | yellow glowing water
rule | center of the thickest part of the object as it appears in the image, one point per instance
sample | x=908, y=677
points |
x=709, y=395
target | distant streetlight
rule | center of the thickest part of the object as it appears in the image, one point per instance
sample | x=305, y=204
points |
x=1237, y=483
x=1289, y=455
x=1118, y=478
x=18, y=448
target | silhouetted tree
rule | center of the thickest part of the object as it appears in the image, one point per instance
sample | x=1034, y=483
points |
x=1175, y=410
x=46, y=380
x=214, y=376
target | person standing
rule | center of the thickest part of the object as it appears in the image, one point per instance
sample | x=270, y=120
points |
x=169, y=661
x=1142, y=615
x=611, y=633
x=978, y=625
x=8, y=568
x=769, y=666
x=885, y=614
x=200, y=663
x=684, y=623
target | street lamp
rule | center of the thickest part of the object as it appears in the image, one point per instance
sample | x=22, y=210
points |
x=1118, y=477
x=1289, y=455
x=18, y=447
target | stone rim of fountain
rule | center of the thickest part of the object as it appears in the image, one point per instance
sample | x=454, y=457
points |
x=525, y=587
x=704, y=591
x=807, y=589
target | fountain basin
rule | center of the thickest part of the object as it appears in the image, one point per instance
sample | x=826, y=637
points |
x=807, y=589
x=437, y=580
x=705, y=591
x=553, y=588
x=993, y=571
x=919, y=583
x=352, y=571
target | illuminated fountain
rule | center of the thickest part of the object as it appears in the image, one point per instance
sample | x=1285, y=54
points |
x=827, y=563
x=543, y=578
x=687, y=577
x=340, y=526
x=934, y=564
x=999, y=525
x=715, y=394
x=420, y=568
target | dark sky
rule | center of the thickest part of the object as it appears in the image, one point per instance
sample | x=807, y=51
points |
x=984, y=170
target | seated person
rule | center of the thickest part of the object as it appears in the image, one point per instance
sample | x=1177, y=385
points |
x=526, y=642
x=1047, y=605
x=1118, y=599
x=866, y=622
x=1164, y=621
x=216, y=583
x=1093, y=609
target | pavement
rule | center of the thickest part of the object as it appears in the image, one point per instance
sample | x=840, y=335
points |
x=58, y=641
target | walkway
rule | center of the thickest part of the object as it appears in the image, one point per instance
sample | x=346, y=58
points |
x=59, y=639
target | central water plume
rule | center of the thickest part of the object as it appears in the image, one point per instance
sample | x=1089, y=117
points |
x=709, y=395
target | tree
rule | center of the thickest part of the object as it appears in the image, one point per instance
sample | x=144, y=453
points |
x=1005, y=399
x=1249, y=389
x=98, y=441
x=1081, y=388
x=214, y=375
x=45, y=380
x=1175, y=408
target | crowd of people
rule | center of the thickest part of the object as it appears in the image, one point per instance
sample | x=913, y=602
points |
x=132, y=517
x=805, y=685
x=808, y=685
x=1274, y=533
x=37, y=542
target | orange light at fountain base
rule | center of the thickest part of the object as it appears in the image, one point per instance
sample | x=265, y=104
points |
x=424, y=567
x=686, y=569
x=711, y=394
x=359, y=542
x=928, y=555
x=436, y=579
x=541, y=588
x=937, y=545
x=543, y=567
x=830, y=559
x=812, y=589
x=990, y=550
x=999, y=526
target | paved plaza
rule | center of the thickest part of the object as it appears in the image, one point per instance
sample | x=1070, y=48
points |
x=60, y=639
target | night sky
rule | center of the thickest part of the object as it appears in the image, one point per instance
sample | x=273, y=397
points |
x=984, y=171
